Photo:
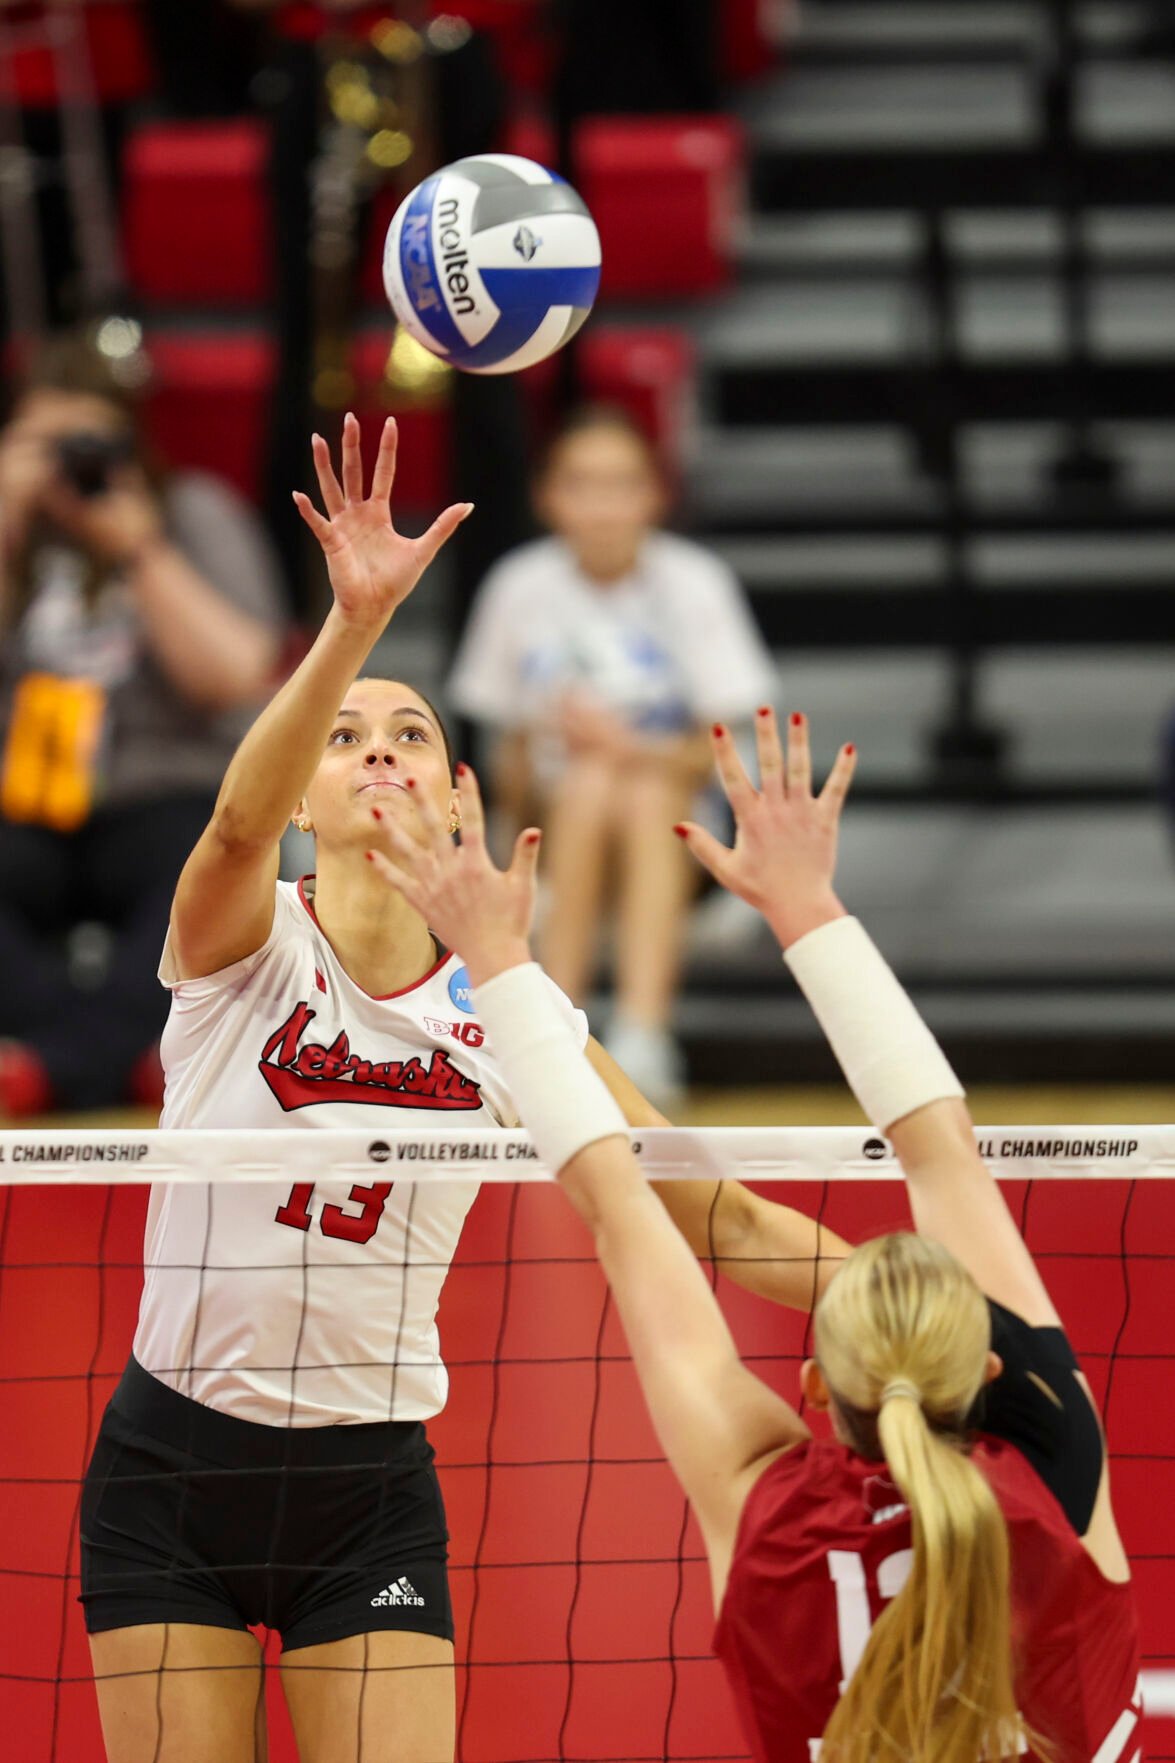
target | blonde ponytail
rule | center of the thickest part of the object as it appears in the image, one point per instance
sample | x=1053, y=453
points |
x=903, y=1344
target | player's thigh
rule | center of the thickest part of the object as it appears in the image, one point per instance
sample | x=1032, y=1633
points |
x=386, y=1697
x=180, y=1692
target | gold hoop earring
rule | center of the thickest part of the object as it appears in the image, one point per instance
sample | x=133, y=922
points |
x=303, y=826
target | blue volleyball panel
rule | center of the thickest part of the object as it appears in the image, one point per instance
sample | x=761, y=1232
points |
x=418, y=266
x=512, y=331
x=537, y=289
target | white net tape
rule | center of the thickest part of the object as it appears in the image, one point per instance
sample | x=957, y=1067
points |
x=1013, y=1153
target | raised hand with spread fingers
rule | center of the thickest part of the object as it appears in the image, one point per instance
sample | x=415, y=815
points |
x=372, y=567
x=784, y=854
x=468, y=902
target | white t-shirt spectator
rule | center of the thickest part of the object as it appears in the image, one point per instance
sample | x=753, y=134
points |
x=670, y=646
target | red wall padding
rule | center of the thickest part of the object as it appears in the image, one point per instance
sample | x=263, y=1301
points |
x=65, y=1327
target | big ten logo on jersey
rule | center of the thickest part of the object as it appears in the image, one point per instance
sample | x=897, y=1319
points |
x=470, y=1034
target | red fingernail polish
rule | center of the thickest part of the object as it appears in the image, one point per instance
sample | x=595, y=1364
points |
x=682, y=831
x=377, y=814
x=370, y=856
x=462, y=768
x=533, y=838
x=850, y=749
x=796, y=718
x=719, y=731
x=764, y=711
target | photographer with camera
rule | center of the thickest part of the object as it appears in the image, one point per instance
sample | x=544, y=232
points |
x=140, y=615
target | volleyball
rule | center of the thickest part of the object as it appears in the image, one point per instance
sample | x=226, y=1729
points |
x=492, y=263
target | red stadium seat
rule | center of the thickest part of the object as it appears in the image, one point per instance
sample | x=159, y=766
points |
x=750, y=35
x=119, y=62
x=209, y=405
x=650, y=371
x=668, y=197
x=197, y=214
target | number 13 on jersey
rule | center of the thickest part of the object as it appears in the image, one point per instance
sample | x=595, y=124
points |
x=351, y=1227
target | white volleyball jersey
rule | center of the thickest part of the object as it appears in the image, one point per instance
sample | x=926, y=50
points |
x=311, y=1304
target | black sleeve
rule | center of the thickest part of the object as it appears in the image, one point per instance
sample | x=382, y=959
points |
x=1038, y=1406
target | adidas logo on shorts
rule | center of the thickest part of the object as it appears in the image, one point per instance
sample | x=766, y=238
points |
x=403, y=1592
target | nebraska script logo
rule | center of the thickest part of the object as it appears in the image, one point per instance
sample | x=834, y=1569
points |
x=300, y=1076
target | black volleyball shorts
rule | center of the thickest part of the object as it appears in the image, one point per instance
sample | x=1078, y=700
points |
x=190, y=1515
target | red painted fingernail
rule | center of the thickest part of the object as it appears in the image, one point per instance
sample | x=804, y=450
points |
x=681, y=831
x=764, y=711
x=797, y=718
x=719, y=731
x=370, y=856
x=850, y=749
x=462, y=768
x=377, y=814
x=533, y=838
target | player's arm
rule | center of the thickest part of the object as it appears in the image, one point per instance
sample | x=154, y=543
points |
x=715, y=1420
x=769, y=1249
x=223, y=907
x=783, y=863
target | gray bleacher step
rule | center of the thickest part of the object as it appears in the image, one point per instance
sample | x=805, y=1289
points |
x=1009, y=465
x=819, y=471
x=1125, y=103
x=1080, y=717
x=824, y=320
x=1009, y=318
x=879, y=562
x=886, y=563
x=863, y=26
x=836, y=239
x=821, y=319
x=793, y=245
x=961, y=894
x=757, y=469
x=900, y=109
x=1073, y=1014
x=1072, y=560
x=866, y=27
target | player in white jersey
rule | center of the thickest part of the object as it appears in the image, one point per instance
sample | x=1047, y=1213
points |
x=264, y=1459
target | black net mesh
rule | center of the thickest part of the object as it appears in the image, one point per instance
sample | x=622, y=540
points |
x=580, y=1592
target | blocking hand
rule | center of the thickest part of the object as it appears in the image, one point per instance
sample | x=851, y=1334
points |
x=784, y=854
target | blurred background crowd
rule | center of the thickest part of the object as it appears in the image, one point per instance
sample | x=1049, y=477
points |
x=874, y=419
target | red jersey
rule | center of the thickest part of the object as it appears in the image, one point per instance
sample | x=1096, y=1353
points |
x=824, y=1542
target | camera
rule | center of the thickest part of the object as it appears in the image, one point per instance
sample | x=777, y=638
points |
x=87, y=459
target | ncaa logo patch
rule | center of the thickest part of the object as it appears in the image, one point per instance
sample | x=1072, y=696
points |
x=461, y=992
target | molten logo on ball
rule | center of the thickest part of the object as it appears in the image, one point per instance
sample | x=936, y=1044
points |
x=492, y=263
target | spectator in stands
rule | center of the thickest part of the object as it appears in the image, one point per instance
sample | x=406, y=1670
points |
x=140, y=612
x=598, y=657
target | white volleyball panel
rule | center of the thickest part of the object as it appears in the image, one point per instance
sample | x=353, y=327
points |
x=550, y=241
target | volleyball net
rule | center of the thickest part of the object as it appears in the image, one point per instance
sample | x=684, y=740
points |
x=580, y=1591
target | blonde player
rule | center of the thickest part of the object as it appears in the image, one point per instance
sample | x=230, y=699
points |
x=265, y=1459
x=933, y=1585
